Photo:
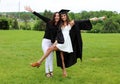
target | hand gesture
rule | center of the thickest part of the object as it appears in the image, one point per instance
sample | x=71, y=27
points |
x=94, y=19
x=98, y=19
x=28, y=8
x=102, y=18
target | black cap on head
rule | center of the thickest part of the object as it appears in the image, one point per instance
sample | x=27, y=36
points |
x=64, y=11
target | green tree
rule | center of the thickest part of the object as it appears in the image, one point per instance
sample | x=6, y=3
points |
x=15, y=24
x=37, y=26
x=4, y=23
x=111, y=26
x=25, y=18
x=97, y=28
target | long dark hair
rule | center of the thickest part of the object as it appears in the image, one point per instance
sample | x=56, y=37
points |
x=53, y=19
x=61, y=21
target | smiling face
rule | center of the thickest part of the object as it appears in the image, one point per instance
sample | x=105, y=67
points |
x=57, y=17
x=64, y=17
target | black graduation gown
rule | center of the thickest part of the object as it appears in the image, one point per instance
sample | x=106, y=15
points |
x=75, y=35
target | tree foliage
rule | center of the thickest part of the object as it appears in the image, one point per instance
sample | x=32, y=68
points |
x=4, y=24
x=110, y=25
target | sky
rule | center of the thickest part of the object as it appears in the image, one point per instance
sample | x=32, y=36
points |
x=56, y=5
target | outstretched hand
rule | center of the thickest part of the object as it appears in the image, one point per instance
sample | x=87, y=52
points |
x=28, y=8
x=98, y=19
x=102, y=18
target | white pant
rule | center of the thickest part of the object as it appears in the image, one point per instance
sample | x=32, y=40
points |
x=46, y=43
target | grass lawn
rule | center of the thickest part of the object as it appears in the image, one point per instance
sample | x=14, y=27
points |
x=101, y=60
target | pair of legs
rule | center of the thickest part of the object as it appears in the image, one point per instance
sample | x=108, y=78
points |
x=51, y=49
x=46, y=43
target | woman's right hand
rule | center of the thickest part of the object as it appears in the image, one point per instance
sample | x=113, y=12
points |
x=28, y=8
x=55, y=43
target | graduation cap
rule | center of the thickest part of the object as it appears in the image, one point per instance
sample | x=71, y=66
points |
x=64, y=11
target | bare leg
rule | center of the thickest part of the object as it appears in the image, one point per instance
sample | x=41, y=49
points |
x=63, y=65
x=52, y=48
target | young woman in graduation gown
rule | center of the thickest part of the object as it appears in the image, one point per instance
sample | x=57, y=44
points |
x=49, y=38
x=77, y=44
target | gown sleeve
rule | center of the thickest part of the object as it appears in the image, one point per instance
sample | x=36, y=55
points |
x=84, y=24
x=45, y=19
x=59, y=37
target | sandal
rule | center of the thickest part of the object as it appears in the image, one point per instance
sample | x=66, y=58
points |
x=35, y=64
x=48, y=75
x=51, y=73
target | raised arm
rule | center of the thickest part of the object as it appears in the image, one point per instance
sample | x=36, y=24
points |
x=98, y=18
x=83, y=24
x=86, y=24
x=45, y=19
